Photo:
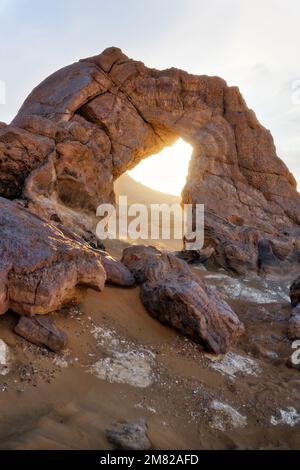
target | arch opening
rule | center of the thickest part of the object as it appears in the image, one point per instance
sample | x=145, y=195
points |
x=165, y=171
x=156, y=180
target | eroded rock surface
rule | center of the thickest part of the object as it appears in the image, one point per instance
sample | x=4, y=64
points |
x=41, y=267
x=177, y=297
x=89, y=122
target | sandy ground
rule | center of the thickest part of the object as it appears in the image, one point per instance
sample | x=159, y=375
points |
x=122, y=364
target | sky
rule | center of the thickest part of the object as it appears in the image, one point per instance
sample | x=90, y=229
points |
x=252, y=44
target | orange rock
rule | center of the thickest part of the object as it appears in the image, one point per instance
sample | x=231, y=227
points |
x=89, y=122
x=41, y=267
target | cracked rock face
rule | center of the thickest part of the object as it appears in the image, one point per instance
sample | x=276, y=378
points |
x=89, y=122
x=177, y=297
x=41, y=267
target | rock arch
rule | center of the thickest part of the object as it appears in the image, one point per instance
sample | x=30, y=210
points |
x=89, y=122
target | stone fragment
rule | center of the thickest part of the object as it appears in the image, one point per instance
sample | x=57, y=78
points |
x=41, y=330
x=129, y=435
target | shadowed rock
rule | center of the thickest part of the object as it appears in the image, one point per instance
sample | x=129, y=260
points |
x=294, y=321
x=195, y=257
x=294, y=324
x=177, y=297
x=129, y=436
x=42, y=331
x=295, y=292
x=91, y=121
x=41, y=267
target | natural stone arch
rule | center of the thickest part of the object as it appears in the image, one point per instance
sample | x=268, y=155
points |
x=89, y=122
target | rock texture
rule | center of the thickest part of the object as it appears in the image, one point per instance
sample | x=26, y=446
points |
x=116, y=272
x=129, y=436
x=42, y=331
x=294, y=322
x=295, y=292
x=89, y=122
x=41, y=266
x=177, y=297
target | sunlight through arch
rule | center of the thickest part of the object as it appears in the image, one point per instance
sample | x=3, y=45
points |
x=167, y=170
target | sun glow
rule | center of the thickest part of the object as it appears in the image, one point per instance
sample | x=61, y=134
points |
x=167, y=170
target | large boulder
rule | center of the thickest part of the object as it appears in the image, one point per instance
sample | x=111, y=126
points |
x=41, y=267
x=89, y=122
x=177, y=297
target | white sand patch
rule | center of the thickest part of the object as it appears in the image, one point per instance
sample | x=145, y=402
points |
x=4, y=358
x=290, y=416
x=105, y=337
x=263, y=292
x=226, y=416
x=60, y=362
x=232, y=363
x=126, y=363
x=133, y=368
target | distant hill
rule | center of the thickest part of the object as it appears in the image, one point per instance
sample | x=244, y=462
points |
x=139, y=193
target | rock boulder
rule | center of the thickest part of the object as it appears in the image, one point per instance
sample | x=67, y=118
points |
x=41, y=331
x=41, y=267
x=177, y=297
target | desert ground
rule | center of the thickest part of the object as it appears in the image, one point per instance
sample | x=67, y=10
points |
x=121, y=364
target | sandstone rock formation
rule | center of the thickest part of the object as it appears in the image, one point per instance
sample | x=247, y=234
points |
x=41, y=267
x=177, y=297
x=89, y=122
x=42, y=331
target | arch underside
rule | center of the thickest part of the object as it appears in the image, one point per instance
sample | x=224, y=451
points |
x=88, y=123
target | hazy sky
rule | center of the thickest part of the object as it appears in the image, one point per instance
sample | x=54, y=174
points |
x=253, y=44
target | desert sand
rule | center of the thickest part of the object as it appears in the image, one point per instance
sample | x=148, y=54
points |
x=122, y=364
